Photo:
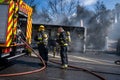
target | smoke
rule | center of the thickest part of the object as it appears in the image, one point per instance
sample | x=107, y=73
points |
x=84, y=2
x=88, y=2
x=97, y=32
x=60, y=19
x=96, y=37
x=114, y=32
x=64, y=17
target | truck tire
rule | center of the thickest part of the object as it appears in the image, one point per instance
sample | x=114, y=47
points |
x=13, y=52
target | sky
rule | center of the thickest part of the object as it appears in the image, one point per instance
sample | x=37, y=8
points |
x=110, y=3
x=90, y=4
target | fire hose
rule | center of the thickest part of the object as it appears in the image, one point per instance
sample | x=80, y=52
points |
x=27, y=72
x=117, y=62
x=74, y=67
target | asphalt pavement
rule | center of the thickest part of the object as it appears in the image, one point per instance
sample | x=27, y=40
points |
x=100, y=63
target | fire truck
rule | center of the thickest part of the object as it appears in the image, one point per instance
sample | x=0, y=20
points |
x=15, y=23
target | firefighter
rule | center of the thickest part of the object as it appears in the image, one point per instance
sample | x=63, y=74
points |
x=42, y=41
x=53, y=46
x=56, y=48
x=63, y=47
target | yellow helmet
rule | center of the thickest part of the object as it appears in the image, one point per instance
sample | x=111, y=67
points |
x=68, y=33
x=41, y=28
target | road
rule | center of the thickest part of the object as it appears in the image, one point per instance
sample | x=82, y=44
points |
x=97, y=62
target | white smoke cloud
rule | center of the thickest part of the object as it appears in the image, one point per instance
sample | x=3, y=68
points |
x=84, y=2
x=88, y=2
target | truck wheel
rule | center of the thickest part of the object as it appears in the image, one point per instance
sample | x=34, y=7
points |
x=13, y=52
x=3, y=61
x=0, y=53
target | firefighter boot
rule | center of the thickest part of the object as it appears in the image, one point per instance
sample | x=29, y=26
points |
x=64, y=66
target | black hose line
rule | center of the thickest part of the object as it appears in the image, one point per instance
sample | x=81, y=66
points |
x=117, y=62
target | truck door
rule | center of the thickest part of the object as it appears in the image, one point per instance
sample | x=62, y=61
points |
x=3, y=22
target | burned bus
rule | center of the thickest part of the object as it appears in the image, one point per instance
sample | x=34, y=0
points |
x=77, y=35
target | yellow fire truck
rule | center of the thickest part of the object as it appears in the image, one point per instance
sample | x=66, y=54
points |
x=15, y=23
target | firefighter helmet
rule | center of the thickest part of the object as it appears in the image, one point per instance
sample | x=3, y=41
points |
x=41, y=28
x=60, y=29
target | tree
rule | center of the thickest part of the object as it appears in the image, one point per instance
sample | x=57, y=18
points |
x=99, y=25
x=59, y=11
